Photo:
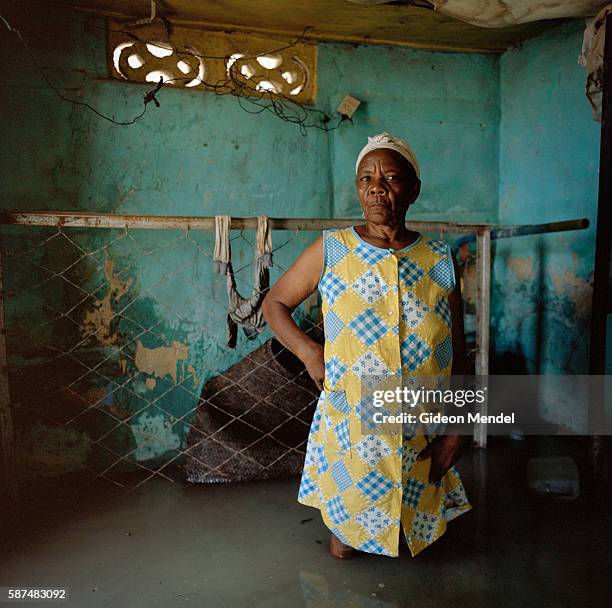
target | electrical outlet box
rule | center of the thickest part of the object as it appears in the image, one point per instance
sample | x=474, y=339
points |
x=348, y=106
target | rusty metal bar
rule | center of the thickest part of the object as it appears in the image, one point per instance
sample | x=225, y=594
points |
x=483, y=305
x=174, y=222
x=506, y=232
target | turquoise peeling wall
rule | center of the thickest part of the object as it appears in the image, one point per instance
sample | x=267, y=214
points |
x=199, y=154
x=549, y=160
x=548, y=171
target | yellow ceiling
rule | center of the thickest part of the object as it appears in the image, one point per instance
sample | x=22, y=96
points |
x=331, y=20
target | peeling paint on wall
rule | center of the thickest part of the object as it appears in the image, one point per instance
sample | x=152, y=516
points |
x=154, y=437
x=196, y=378
x=540, y=307
x=161, y=361
x=521, y=267
x=576, y=289
x=98, y=321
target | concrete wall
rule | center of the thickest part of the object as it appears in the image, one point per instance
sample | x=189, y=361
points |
x=548, y=171
x=198, y=154
x=446, y=105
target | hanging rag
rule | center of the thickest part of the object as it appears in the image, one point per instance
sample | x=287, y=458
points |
x=592, y=56
x=221, y=255
x=242, y=311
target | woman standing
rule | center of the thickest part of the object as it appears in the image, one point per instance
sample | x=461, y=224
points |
x=391, y=307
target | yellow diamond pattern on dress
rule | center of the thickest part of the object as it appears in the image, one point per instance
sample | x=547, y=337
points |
x=385, y=314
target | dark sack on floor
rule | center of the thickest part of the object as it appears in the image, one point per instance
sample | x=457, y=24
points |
x=252, y=421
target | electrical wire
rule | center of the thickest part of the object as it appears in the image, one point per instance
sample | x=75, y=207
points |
x=149, y=96
x=251, y=100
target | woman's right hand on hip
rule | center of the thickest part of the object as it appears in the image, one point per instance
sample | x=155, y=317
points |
x=315, y=365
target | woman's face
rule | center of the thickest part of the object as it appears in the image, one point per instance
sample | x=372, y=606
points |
x=386, y=186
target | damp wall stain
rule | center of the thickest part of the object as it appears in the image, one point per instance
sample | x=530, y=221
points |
x=576, y=290
x=549, y=158
x=522, y=268
x=97, y=321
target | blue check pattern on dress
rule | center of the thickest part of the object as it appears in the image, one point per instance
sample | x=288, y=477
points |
x=333, y=326
x=368, y=327
x=409, y=271
x=444, y=352
x=341, y=476
x=334, y=370
x=322, y=463
x=306, y=486
x=335, y=251
x=442, y=274
x=370, y=256
x=331, y=286
x=442, y=309
x=337, y=511
x=373, y=485
x=439, y=247
x=339, y=401
x=342, y=434
x=414, y=351
x=412, y=492
x=371, y=546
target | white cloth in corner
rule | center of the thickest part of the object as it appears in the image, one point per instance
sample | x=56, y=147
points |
x=504, y=13
x=592, y=56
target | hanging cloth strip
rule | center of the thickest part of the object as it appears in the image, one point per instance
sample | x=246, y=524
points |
x=221, y=255
x=243, y=311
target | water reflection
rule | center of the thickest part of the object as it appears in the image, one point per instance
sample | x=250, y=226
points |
x=317, y=594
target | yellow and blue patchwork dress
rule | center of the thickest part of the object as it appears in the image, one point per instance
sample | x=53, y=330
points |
x=385, y=312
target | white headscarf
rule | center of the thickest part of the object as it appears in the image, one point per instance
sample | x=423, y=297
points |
x=385, y=140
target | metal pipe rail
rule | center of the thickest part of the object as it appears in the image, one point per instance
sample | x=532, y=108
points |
x=178, y=222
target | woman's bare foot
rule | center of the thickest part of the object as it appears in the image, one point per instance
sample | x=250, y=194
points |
x=338, y=549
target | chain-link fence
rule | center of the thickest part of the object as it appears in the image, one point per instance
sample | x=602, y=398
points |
x=118, y=367
x=111, y=335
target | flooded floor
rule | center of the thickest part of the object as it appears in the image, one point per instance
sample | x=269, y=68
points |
x=252, y=545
